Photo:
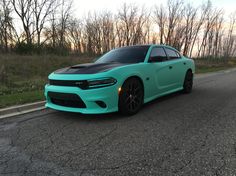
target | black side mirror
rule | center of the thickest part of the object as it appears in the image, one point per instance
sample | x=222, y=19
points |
x=156, y=59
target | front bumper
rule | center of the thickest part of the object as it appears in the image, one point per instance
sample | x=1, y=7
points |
x=108, y=95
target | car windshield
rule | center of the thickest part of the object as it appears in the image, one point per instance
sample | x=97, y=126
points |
x=134, y=54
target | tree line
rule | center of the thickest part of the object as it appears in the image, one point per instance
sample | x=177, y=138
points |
x=49, y=26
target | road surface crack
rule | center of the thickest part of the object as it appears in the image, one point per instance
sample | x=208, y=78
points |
x=96, y=142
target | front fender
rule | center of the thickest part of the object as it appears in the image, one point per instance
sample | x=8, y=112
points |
x=136, y=70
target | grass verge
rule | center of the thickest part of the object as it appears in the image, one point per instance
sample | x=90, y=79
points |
x=21, y=98
x=213, y=65
x=212, y=69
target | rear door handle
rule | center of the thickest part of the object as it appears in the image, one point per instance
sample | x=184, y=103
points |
x=184, y=63
x=170, y=67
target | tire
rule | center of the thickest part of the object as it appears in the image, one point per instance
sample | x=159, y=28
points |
x=188, y=82
x=131, y=97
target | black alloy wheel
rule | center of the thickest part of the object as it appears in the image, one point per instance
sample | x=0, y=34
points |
x=188, y=82
x=131, y=96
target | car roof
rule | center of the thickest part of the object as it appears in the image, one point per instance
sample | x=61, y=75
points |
x=167, y=46
x=135, y=46
x=148, y=46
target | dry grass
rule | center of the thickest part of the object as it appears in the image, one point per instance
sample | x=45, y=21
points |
x=21, y=74
x=212, y=65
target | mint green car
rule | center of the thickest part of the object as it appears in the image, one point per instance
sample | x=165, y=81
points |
x=121, y=80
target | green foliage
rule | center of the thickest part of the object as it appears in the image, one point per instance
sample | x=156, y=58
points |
x=58, y=50
x=23, y=48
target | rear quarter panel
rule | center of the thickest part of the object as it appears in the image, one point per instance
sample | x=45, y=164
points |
x=190, y=64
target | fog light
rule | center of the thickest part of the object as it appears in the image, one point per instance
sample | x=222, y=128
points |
x=101, y=104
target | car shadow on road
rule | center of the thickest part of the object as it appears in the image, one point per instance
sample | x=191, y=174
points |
x=163, y=99
x=91, y=118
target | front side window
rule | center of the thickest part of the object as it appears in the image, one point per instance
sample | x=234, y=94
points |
x=158, y=54
x=172, y=54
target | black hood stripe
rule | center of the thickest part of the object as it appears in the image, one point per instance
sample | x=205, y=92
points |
x=89, y=68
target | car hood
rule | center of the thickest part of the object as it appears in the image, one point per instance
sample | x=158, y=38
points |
x=89, y=68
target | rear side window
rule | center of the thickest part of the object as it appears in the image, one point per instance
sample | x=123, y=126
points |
x=172, y=54
x=159, y=52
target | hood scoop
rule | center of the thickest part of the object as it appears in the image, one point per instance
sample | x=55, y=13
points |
x=81, y=66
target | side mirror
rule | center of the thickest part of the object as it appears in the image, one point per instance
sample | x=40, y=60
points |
x=156, y=59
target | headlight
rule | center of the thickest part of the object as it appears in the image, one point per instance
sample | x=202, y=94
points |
x=85, y=84
x=96, y=83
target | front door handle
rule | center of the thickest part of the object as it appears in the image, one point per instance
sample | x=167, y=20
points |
x=170, y=67
x=184, y=63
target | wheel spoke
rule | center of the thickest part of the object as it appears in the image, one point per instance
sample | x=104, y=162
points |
x=137, y=100
x=136, y=103
x=127, y=99
x=133, y=105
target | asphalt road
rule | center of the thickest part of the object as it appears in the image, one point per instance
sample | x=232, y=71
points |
x=179, y=134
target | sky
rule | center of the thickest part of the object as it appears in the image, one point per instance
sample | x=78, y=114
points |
x=82, y=7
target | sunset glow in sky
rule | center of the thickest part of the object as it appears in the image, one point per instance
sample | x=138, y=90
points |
x=82, y=7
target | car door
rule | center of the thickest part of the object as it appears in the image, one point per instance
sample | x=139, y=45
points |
x=178, y=67
x=162, y=71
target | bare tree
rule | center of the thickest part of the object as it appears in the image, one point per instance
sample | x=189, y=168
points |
x=140, y=27
x=190, y=17
x=230, y=40
x=147, y=33
x=161, y=19
x=75, y=34
x=218, y=35
x=57, y=32
x=7, y=30
x=65, y=14
x=41, y=10
x=107, y=32
x=51, y=31
x=131, y=23
x=23, y=9
x=119, y=34
x=210, y=21
x=198, y=25
x=175, y=11
x=127, y=15
x=93, y=33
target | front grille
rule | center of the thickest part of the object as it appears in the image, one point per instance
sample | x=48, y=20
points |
x=69, y=83
x=66, y=99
